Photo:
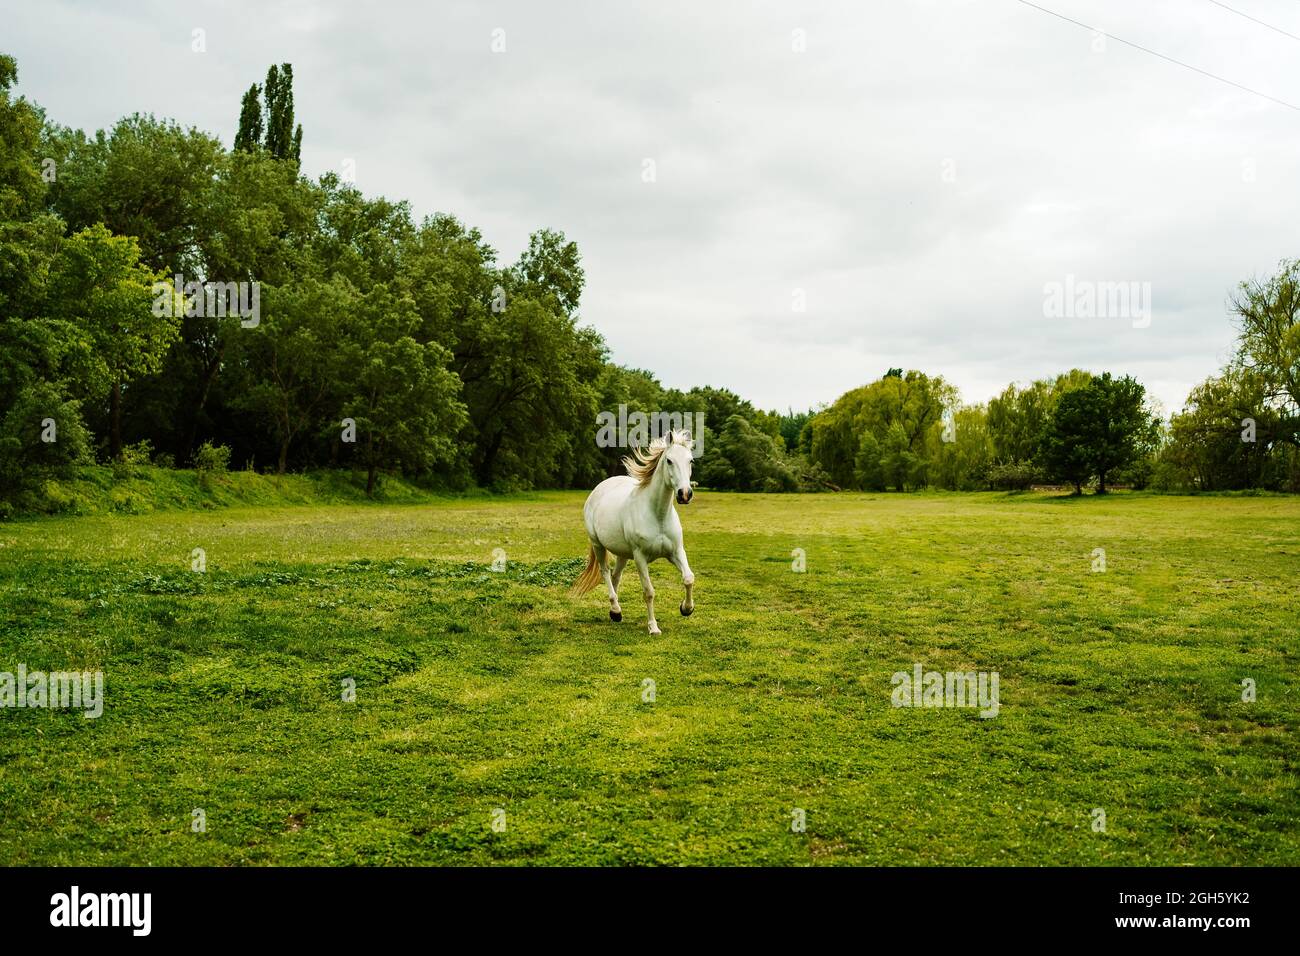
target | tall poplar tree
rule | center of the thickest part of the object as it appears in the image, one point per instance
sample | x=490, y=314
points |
x=270, y=126
x=249, y=136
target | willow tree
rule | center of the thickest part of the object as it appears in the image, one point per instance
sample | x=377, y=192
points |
x=1269, y=346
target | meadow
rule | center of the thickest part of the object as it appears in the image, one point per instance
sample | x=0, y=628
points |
x=498, y=721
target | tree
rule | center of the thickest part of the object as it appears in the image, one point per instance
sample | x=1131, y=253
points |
x=270, y=126
x=550, y=269
x=532, y=375
x=792, y=425
x=963, y=463
x=249, y=136
x=41, y=435
x=530, y=379
x=147, y=179
x=282, y=140
x=899, y=412
x=1241, y=428
x=401, y=394
x=292, y=357
x=1065, y=452
x=1098, y=429
x=1018, y=417
x=21, y=185
x=746, y=459
x=100, y=286
x=365, y=240
x=868, y=471
x=257, y=219
x=901, y=467
x=1224, y=436
x=31, y=345
x=446, y=268
x=1269, y=344
x=155, y=181
x=640, y=392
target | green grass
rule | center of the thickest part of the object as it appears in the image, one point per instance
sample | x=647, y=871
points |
x=478, y=690
x=144, y=489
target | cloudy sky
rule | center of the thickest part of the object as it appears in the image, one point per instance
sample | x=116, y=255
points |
x=913, y=174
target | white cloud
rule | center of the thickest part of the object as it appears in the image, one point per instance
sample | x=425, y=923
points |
x=778, y=170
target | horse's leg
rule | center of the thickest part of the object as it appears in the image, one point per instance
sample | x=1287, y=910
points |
x=688, y=579
x=602, y=562
x=615, y=612
x=648, y=589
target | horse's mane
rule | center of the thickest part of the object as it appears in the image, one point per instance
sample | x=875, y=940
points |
x=641, y=464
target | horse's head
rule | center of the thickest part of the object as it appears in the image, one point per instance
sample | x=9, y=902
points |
x=677, y=466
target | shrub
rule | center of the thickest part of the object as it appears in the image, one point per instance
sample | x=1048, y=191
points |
x=211, y=460
x=26, y=458
x=138, y=454
x=1138, y=475
x=1012, y=476
x=210, y=457
x=133, y=458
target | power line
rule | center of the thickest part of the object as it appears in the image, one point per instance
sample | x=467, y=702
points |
x=1137, y=46
x=1249, y=17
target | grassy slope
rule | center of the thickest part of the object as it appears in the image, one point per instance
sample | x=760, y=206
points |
x=143, y=489
x=478, y=690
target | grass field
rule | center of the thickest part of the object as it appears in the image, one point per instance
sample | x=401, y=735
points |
x=479, y=691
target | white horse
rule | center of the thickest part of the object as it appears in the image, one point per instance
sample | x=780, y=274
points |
x=632, y=517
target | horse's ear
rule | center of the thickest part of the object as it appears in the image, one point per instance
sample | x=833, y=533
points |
x=670, y=438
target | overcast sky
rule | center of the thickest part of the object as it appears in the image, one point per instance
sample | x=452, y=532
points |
x=916, y=175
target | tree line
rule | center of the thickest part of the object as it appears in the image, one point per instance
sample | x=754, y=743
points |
x=1239, y=429
x=163, y=297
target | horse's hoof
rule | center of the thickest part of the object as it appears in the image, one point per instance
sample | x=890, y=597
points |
x=616, y=616
x=686, y=612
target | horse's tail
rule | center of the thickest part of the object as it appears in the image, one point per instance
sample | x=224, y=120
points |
x=589, y=578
